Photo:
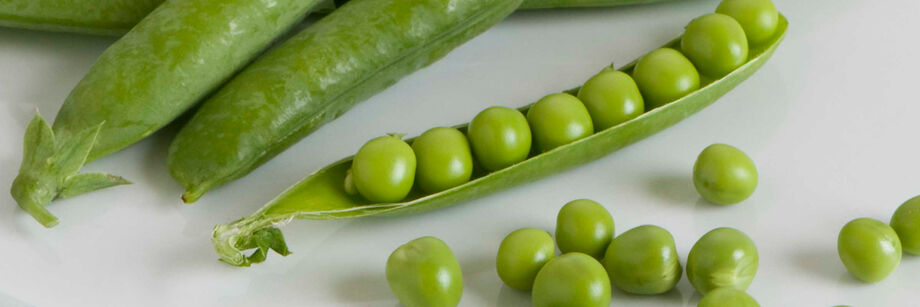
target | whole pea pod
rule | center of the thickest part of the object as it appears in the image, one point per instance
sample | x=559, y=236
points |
x=355, y=52
x=322, y=195
x=161, y=68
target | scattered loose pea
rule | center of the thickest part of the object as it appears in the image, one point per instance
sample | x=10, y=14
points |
x=521, y=256
x=869, y=249
x=906, y=222
x=715, y=44
x=584, y=226
x=500, y=137
x=444, y=159
x=558, y=119
x=643, y=260
x=572, y=280
x=611, y=97
x=759, y=18
x=384, y=169
x=724, y=175
x=425, y=273
x=727, y=297
x=665, y=75
x=722, y=258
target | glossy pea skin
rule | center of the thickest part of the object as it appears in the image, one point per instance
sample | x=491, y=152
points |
x=521, y=256
x=500, y=137
x=611, y=97
x=444, y=159
x=715, y=44
x=727, y=297
x=572, y=280
x=758, y=18
x=584, y=226
x=869, y=249
x=906, y=222
x=384, y=169
x=724, y=175
x=425, y=273
x=643, y=260
x=559, y=119
x=722, y=258
x=665, y=75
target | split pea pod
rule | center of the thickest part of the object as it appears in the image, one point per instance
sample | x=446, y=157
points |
x=167, y=63
x=322, y=196
x=346, y=57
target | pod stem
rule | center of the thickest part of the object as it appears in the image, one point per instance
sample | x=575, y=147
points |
x=255, y=232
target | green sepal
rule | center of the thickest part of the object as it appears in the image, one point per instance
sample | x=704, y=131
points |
x=88, y=182
x=264, y=240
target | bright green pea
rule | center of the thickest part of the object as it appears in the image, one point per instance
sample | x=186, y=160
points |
x=643, y=260
x=724, y=175
x=715, y=43
x=572, y=280
x=384, y=169
x=611, y=97
x=444, y=159
x=722, y=258
x=559, y=119
x=665, y=75
x=584, y=226
x=500, y=137
x=522, y=254
x=906, y=222
x=759, y=18
x=425, y=273
x=727, y=297
x=869, y=249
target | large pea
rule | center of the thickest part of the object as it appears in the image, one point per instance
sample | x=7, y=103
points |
x=906, y=222
x=559, y=119
x=425, y=273
x=500, y=137
x=383, y=170
x=444, y=159
x=521, y=256
x=727, y=297
x=584, y=226
x=869, y=249
x=611, y=97
x=724, y=175
x=759, y=18
x=572, y=280
x=643, y=260
x=722, y=258
x=715, y=43
x=665, y=75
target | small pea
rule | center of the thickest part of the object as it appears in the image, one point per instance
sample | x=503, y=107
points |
x=444, y=159
x=724, y=175
x=521, y=256
x=665, y=75
x=383, y=170
x=759, y=18
x=715, y=43
x=643, y=260
x=424, y=272
x=722, y=258
x=559, y=119
x=500, y=137
x=572, y=280
x=611, y=97
x=906, y=222
x=584, y=226
x=727, y=297
x=869, y=249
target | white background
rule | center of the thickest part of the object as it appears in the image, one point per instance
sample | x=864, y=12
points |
x=831, y=121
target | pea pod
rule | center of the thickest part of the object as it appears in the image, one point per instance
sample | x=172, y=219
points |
x=321, y=196
x=166, y=64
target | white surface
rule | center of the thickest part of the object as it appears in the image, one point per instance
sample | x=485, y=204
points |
x=831, y=122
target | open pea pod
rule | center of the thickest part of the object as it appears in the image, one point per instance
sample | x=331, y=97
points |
x=321, y=196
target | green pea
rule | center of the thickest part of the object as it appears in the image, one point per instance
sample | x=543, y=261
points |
x=500, y=137
x=724, y=175
x=425, y=273
x=722, y=258
x=559, y=119
x=906, y=222
x=611, y=97
x=572, y=280
x=869, y=249
x=715, y=43
x=584, y=226
x=384, y=169
x=522, y=254
x=444, y=159
x=727, y=297
x=759, y=18
x=643, y=260
x=665, y=75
